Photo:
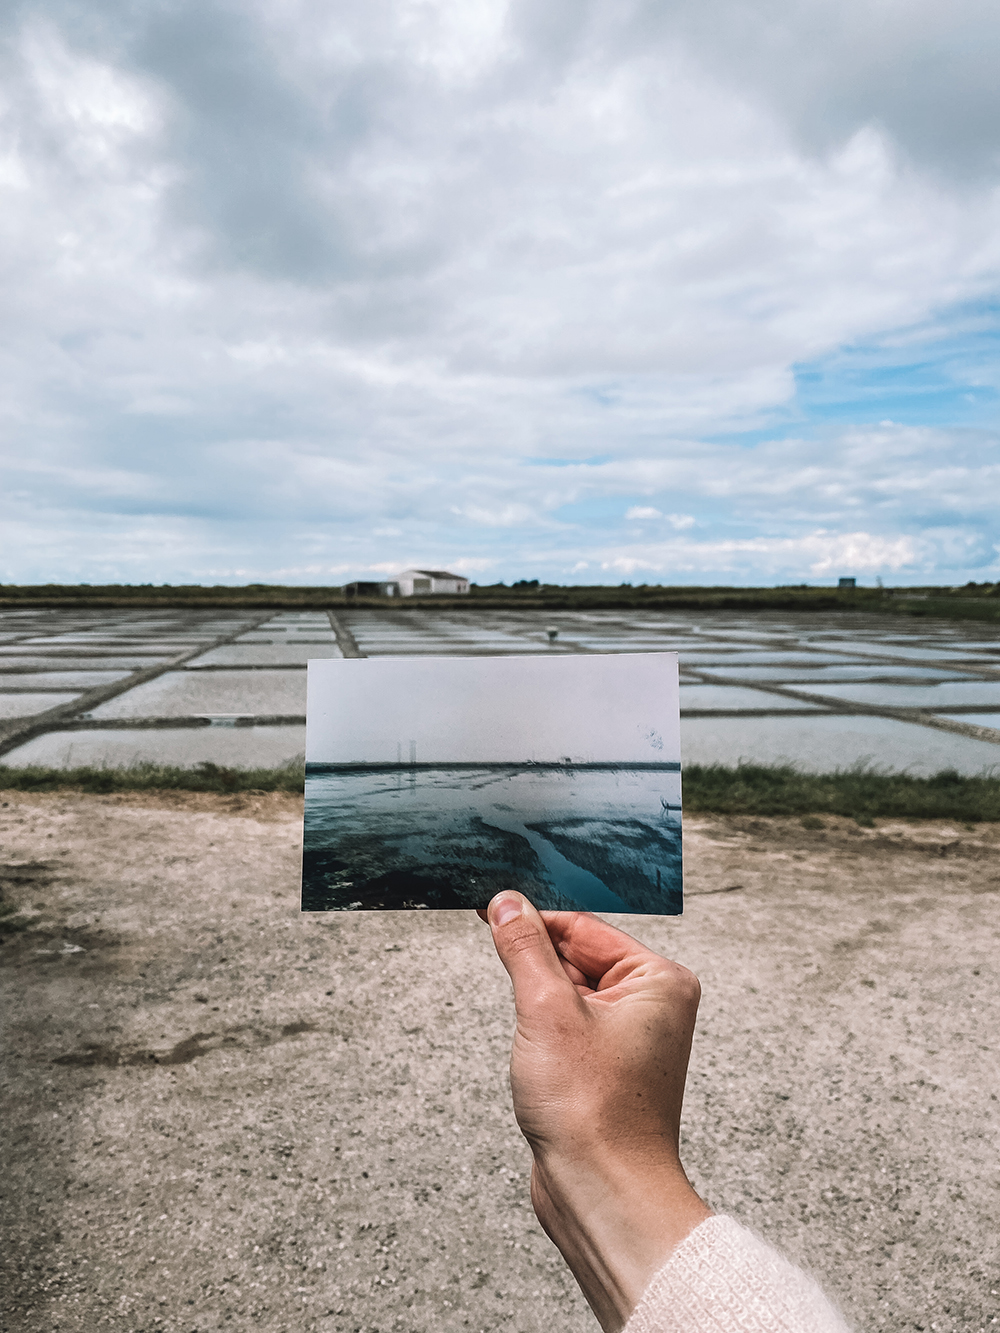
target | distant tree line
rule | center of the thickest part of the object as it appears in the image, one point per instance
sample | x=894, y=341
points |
x=978, y=601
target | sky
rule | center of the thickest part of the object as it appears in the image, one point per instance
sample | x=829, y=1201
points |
x=430, y=710
x=597, y=291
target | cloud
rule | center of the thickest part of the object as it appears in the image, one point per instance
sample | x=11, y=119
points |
x=923, y=73
x=679, y=522
x=293, y=288
x=820, y=555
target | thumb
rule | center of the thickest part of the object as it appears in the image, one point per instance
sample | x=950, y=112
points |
x=526, y=950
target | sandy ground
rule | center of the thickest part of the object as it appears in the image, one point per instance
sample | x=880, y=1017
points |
x=222, y=1115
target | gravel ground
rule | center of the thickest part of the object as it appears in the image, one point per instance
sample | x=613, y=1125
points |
x=222, y=1115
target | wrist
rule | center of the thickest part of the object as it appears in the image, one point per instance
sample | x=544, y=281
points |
x=616, y=1220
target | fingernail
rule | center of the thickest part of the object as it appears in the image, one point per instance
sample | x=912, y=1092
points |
x=505, y=910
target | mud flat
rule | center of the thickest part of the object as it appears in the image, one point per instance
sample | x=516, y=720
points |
x=222, y=1114
x=603, y=838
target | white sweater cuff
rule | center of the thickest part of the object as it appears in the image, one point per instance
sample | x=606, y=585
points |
x=724, y=1279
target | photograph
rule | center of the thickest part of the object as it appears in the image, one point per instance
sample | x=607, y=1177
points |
x=439, y=782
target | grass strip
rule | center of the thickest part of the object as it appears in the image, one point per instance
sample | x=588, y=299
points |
x=859, y=793
x=864, y=794
x=154, y=777
x=972, y=602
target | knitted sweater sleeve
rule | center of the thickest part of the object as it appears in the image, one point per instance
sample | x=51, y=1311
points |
x=724, y=1279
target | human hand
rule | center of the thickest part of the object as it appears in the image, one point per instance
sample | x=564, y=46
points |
x=597, y=1071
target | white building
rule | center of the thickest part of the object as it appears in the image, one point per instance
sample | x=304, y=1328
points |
x=414, y=582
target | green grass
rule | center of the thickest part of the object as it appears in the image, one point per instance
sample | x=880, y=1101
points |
x=153, y=777
x=859, y=793
x=749, y=789
x=950, y=608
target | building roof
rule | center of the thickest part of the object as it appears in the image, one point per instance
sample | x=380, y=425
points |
x=435, y=573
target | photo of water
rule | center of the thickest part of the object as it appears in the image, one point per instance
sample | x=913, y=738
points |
x=597, y=837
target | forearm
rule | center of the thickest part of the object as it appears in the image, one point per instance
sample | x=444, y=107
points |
x=604, y=1031
x=615, y=1222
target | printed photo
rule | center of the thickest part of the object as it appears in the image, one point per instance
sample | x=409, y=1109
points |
x=438, y=782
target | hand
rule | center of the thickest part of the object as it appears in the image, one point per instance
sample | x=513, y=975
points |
x=597, y=1072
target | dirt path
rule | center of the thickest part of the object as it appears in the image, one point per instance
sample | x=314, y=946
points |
x=221, y=1115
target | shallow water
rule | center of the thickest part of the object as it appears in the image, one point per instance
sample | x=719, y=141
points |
x=183, y=693
x=594, y=839
x=740, y=650
x=926, y=651
x=264, y=654
x=945, y=694
x=827, y=741
x=26, y=705
x=736, y=698
x=982, y=720
x=59, y=680
x=64, y=661
x=236, y=747
x=807, y=674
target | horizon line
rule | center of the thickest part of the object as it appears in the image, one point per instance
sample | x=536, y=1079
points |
x=361, y=766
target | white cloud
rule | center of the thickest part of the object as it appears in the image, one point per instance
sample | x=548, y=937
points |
x=818, y=554
x=510, y=515
x=286, y=285
x=679, y=522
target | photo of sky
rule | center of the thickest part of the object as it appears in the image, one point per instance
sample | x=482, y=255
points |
x=591, y=292
x=620, y=708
